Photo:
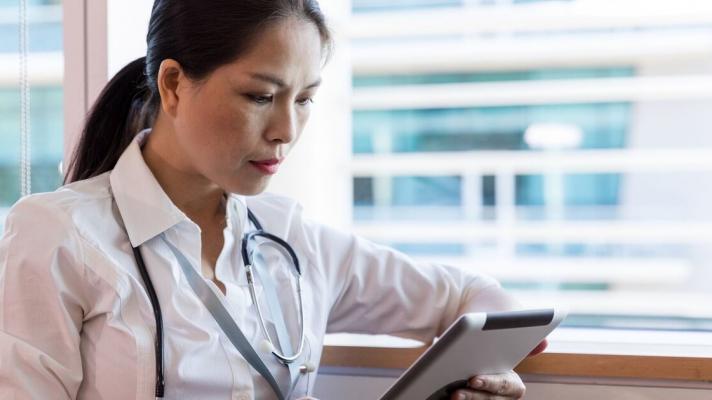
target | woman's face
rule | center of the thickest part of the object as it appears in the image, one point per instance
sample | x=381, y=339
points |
x=235, y=127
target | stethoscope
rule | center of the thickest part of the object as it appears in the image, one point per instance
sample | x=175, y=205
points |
x=267, y=344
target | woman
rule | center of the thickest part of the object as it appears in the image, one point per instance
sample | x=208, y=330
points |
x=163, y=187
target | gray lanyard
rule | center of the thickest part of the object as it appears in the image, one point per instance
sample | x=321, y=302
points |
x=224, y=320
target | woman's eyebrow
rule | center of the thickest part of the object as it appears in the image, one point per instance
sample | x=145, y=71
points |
x=278, y=82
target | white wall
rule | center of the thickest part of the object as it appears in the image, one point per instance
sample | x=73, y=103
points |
x=127, y=27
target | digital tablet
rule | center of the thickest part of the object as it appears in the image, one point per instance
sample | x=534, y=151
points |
x=475, y=344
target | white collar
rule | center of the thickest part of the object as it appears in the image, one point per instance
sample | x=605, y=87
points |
x=145, y=208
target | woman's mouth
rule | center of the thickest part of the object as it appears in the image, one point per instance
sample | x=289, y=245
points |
x=268, y=167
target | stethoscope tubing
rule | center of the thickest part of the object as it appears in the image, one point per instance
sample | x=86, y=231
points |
x=282, y=357
x=155, y=304
x=247, y=259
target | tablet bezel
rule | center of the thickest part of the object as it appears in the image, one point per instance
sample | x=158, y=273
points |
x=476, y=322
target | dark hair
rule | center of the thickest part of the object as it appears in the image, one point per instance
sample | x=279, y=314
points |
x=201, y=35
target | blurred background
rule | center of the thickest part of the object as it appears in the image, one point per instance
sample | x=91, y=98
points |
x=564, y=147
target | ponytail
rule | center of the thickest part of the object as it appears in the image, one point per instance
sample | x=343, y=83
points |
x=123, y=108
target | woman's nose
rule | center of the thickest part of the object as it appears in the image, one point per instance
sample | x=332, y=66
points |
x=283, y=128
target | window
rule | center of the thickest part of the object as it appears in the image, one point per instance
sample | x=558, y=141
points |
x=506, y=137
x=45, y=69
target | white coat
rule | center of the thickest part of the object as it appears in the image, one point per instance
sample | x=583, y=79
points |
x=76, y=322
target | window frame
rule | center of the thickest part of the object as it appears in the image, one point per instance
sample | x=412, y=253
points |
x=546, y=367
x=85, y=64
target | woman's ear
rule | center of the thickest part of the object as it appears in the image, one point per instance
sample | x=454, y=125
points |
x=170, y=80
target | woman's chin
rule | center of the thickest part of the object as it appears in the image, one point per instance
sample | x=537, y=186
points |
x=248, y=189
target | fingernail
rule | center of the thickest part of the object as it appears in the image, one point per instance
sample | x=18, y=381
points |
x=460, y=396
x=478, y=383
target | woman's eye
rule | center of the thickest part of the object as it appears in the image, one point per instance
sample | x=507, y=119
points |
x=260, y=99
x=305, y=101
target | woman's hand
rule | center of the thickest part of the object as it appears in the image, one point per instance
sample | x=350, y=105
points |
x=505, y=386
x=496, y=387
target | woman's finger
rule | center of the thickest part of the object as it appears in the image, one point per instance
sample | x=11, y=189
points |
x=508, y=384
x=464, y=394
x=539, y=348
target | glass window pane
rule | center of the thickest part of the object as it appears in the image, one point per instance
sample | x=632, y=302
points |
x=604, y=126
x=46, y=108
x=585, y=183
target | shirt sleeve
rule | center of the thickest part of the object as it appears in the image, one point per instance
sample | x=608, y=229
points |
x=378, y=290
x=41, y=306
